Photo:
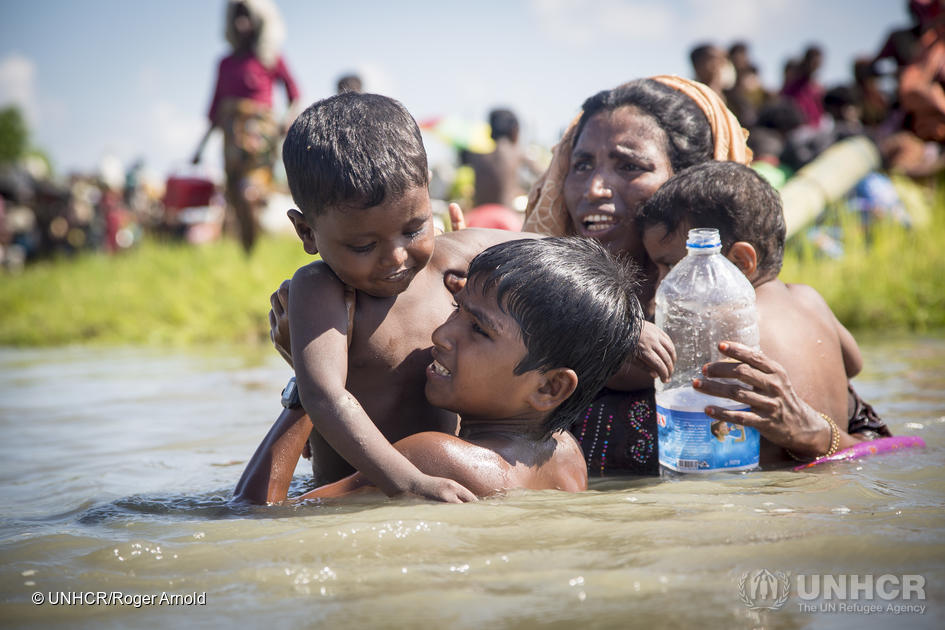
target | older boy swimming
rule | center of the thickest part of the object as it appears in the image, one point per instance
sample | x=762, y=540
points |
x=502, y=363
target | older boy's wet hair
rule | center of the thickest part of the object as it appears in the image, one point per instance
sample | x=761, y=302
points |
x=575, y=305
x=685, y=125
x=352, y=151
x=728, y=196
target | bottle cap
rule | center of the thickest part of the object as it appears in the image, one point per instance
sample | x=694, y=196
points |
x=704, y=239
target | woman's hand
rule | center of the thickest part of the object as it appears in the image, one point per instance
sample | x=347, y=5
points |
x=279, y=322
x=656, y=353
x=457, y=218
x=454, y=280
x=777, y=412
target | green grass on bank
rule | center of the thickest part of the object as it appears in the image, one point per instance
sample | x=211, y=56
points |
x=890, y=279
x=160, y=293
x=174, y=294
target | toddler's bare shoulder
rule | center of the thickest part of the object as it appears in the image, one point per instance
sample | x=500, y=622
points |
x=808, y=296
x=316, y=281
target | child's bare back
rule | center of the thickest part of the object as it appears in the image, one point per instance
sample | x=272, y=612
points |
x=799, y=331
x=485, y=464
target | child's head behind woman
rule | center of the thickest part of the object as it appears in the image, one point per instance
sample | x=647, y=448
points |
x=730, y=197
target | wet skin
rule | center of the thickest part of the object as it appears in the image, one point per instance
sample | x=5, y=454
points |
x=502, y=444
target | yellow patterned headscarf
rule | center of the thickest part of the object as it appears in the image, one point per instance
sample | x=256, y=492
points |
x=546, y=212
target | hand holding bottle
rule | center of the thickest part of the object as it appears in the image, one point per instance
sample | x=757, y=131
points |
x=775, y=409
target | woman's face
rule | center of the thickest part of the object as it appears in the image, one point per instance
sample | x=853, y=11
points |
x=618, y=162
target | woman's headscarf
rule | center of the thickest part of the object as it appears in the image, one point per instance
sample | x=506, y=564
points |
x=546, y=212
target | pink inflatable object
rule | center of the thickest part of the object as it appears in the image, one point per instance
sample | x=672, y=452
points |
x=875, y=447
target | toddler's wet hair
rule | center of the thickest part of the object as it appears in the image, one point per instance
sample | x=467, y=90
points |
x=728, y=196
x=353, y=151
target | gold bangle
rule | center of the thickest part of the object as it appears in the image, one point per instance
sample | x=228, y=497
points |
x=834, y=441
x=834, y=436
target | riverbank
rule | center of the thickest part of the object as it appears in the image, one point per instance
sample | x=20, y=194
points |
x=172, y=294
x=158, y=294
x=888, y=278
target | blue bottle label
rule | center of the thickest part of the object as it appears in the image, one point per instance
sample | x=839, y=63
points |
x=690, y=441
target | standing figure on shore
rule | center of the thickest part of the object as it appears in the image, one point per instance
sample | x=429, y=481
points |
x=242, y=108
x=711, y=66
x=499, y=173
x=350, y=83
x=803, y=89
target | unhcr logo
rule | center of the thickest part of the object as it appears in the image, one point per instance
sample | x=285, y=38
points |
x=764, y=590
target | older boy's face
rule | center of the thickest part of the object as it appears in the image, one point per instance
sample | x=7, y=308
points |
x=475, y=353
x=665, y=250
x=378, y=250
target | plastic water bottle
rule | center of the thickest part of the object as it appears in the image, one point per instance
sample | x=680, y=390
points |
x=703, y=300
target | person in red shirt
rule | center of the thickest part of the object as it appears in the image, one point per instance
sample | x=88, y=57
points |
x=803, y=88
x=242, y=108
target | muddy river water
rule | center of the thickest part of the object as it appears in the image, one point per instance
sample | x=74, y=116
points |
x=116, y=468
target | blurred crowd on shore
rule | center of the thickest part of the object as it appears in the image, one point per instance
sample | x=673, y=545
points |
x=42, y=215
x=895, y=97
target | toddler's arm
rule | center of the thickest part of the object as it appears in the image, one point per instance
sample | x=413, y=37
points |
x=477, y=468
x=318, y=325
x=654, y=358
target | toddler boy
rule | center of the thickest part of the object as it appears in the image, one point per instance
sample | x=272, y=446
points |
x=800, y=377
